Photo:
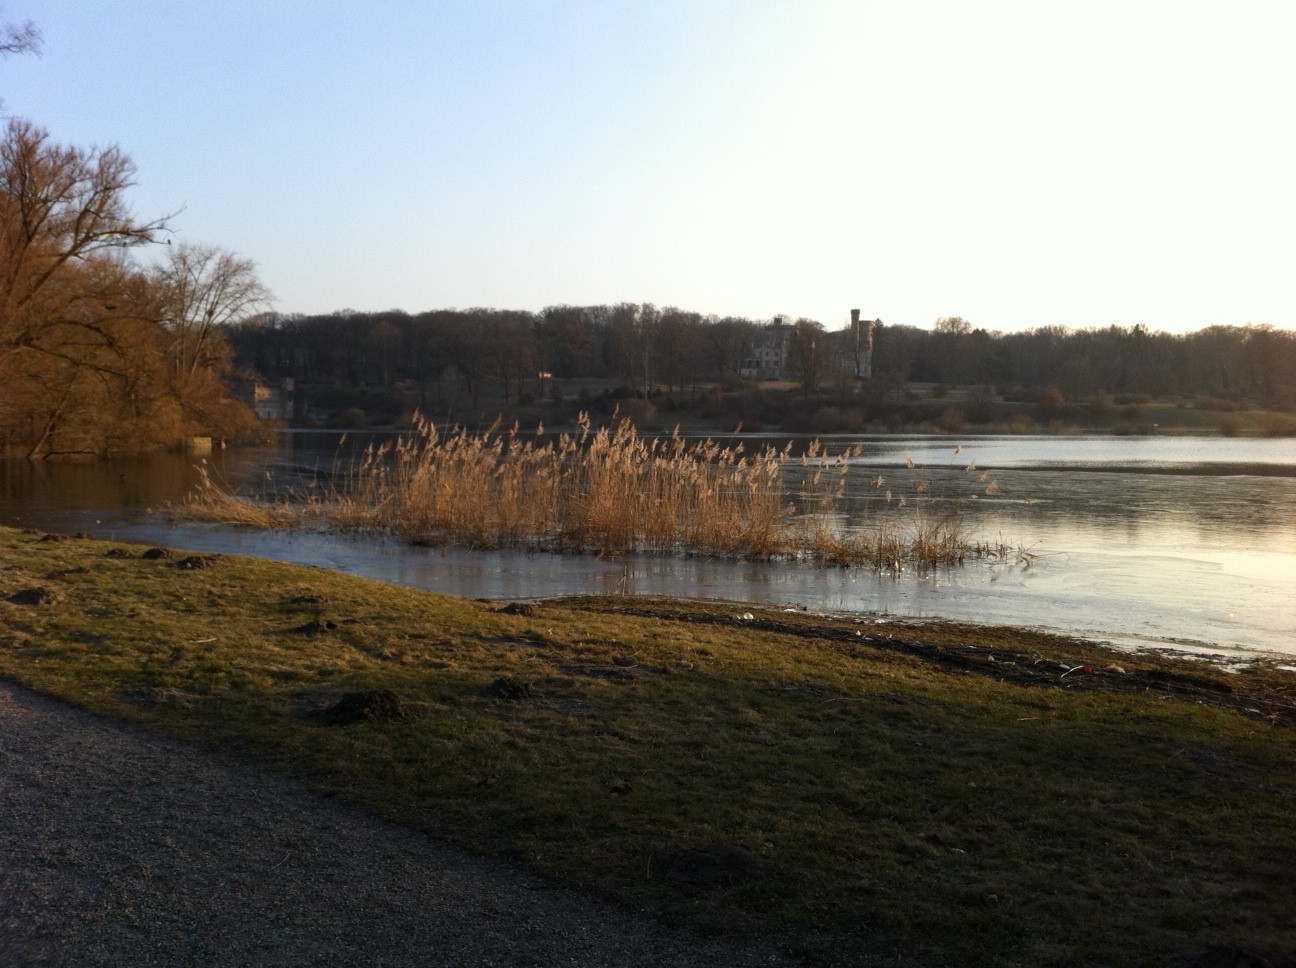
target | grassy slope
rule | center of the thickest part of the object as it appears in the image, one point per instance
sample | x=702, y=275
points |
x=950, y=794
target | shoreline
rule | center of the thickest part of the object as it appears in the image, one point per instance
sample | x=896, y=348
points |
x=370, y=556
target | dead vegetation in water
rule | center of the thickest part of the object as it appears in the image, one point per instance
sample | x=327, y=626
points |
x=610, y=491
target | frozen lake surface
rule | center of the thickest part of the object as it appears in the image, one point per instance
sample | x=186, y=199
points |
x=1179, y=542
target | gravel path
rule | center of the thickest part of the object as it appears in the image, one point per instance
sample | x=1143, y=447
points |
x=117, y=848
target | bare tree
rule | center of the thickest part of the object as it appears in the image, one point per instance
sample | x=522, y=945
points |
x=678, y=346
x=955, y=325
x=568, y=338
x=809, y=354
x=206, y=289
x=633, y=334
x=511, y=344
x=22, y=38
x=60, y=208
x=727, y=341
x=956, y=349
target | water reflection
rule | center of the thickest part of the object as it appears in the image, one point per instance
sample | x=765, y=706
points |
x=29, y=490
x=1158, y=540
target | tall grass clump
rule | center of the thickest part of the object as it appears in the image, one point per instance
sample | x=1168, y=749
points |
x=211, y=500
x=605, y=490
x=894, y=523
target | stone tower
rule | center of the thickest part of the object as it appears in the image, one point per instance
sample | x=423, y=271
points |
x=862, y=344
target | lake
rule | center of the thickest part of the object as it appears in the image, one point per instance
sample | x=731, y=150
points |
x=1174, y=542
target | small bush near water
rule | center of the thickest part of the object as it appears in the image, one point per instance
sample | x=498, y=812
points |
x=606, y=491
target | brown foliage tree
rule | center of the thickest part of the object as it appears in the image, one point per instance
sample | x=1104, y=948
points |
x=83, y=349
x=60, y=207
x=71, y=310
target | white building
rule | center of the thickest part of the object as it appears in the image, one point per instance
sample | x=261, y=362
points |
x=768, y=357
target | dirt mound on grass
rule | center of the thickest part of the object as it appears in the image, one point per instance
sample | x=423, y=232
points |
x=40, y=595
x=372, y=706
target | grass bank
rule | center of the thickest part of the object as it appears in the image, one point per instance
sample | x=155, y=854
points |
x=937, y=793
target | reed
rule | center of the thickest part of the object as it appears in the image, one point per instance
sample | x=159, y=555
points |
x=212, y=500
x=608, y=491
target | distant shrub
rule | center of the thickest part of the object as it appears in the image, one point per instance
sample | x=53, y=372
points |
x=981, y=408
x=1219, y=404
x=352, y=418
x=833, y=420
x=1278, y=425
x=1015, y=394
x=1101, y=404
x=1021, y=424
x=797, y=422
x=1052, y=405
x=640, y=412
x=952, y=420
x=713, y=405
x=1228, y=426
x=1051, y=398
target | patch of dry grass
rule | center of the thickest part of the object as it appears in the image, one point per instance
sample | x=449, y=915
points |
x=605, y=491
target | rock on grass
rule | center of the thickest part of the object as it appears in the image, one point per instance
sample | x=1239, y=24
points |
x=39, y=595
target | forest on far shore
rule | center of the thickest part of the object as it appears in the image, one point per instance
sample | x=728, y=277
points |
x=667, y=366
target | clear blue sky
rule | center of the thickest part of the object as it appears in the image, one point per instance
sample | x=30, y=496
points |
x=1018, y=164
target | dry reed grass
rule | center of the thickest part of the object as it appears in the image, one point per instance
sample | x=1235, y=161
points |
x=609, y=490
x=213, y=501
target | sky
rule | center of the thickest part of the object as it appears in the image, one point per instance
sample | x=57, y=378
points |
x=1019, y=164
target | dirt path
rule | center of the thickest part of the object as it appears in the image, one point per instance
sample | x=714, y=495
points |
x=117, y=848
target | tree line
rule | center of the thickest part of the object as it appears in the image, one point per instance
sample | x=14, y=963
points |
x=507, y=354
x=1253, y=363
x=496, y=353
